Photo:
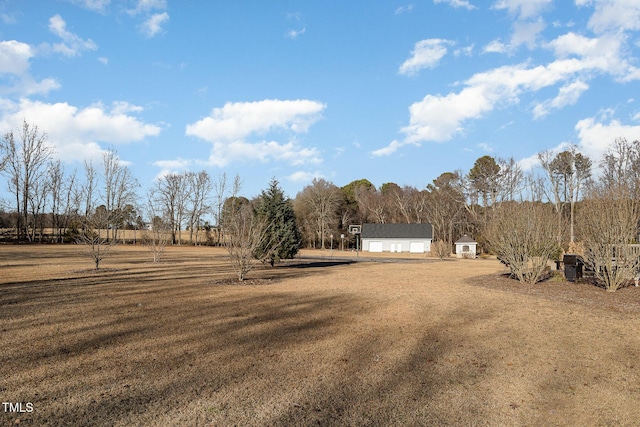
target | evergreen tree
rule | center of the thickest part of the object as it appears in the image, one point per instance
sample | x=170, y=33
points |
x=276, y=212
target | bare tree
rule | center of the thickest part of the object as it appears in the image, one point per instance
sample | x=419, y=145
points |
x=510, y=180
x=25, y=161
x=567, y=172
x=220, y=194
x=610, y=216
x=244, y=233
x=119, y=190
x=4, y=157
x=156, y=236
x=372, y=203
x=89, y=188
x=37, y=206
x=445, y=205
x=169, y=192
x=398, y=201
x=200, y=187
x=522, y=235
x=56, y=180
x=322, y=200
x=94, y=236
x=63, y=195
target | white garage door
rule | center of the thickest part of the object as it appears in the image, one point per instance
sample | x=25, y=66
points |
x=375, y=246
x=416, y=247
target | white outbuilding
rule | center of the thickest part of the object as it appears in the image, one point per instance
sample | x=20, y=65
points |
x=415, y=238
x=466, y=247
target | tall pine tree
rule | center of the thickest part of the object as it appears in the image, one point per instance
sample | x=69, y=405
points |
x=276, y=212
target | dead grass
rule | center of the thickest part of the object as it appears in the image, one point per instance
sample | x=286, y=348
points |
x=316, y=342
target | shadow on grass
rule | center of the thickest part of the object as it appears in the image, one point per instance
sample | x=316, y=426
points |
x=318, y=264
x=136, y=363
x=160, y=346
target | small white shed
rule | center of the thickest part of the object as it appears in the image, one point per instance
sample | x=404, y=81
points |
x=466, y=247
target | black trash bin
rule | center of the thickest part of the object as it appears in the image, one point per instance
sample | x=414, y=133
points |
x=572, y=267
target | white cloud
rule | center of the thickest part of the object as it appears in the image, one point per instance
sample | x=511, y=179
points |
x=229, y=127
x=75, y=132
x=596, y=136
x=145, y=6
x=123, y=107
x=389, y=149
x=613, y=15
x=464, y=51
x=567, y=95
x=523, y=8
x=496, y=46
x=73, y=44
x=15, y=61
x=14, y=57
x=95, y=5
x=425, y=54
x=526, y=33
x=529, y=163
x=103, y=60
x=153, y=25
x=604, y=54
x=172, y=166
x=291, y=152
x=27, y=86
x=293, y=34
x=440, y=117
x=237, y=120
x=404, y=9
x=485, y=147
x=303, y=177
x=457, y=3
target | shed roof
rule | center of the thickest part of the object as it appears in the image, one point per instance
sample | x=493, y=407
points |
x=398, y=231
x=465, y=239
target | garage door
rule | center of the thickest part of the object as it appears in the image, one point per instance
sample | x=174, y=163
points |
x=375, y=246
x=416, y=247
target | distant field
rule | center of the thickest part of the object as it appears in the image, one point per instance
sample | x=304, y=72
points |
x=313, y=341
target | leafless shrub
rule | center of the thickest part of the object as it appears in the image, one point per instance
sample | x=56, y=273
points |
x=609, y=223
x=440, y=249
x=244, y=233
x=611, y=214
x=158, y=234
x=156, y=238
x=94, y=236
x=523, y=236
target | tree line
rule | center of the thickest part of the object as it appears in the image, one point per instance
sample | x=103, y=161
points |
x=525, y=217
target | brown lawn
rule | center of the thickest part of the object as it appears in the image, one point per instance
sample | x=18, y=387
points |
x=315, y=342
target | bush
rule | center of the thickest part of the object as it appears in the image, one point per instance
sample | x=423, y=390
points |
x=523, y=236
x=440, y=249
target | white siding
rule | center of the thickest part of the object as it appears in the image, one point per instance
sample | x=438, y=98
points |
x=396, y=245
x=375, y=246
x=416, y=247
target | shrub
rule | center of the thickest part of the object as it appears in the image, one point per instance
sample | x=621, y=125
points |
x=440, y=249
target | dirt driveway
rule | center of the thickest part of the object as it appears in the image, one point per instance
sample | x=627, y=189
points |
x=368, y=343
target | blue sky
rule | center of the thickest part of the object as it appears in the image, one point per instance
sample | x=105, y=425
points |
x=391, y=91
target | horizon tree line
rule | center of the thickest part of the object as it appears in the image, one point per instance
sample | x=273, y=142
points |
x=455, y=203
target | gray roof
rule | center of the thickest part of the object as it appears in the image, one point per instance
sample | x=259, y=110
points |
x=465, y=239
x=398, y=231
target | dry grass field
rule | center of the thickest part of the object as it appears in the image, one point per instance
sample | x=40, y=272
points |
x=309, y=342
